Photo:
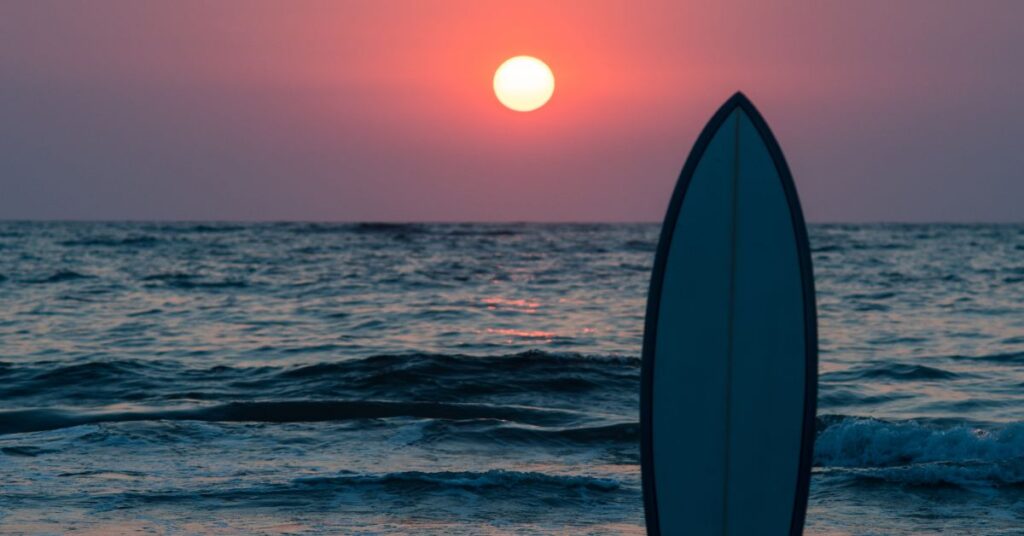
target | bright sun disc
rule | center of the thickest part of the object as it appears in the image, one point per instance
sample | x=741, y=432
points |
x=524, y=83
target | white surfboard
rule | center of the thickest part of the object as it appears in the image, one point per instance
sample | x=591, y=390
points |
x=729, y=379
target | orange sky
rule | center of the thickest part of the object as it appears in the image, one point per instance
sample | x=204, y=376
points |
x=384, y=110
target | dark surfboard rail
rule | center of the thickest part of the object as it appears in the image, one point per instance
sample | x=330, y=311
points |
x=758, y=284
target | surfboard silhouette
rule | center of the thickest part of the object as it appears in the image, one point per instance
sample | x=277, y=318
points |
x=729, y=376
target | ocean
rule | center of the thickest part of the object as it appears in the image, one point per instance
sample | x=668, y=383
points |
x=303, y=378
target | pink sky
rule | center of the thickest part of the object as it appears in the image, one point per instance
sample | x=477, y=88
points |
x=892, y=111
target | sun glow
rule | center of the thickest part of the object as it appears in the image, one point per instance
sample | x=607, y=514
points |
x=524, y=83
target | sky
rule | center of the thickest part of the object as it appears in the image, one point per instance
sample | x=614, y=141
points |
x=384, y=110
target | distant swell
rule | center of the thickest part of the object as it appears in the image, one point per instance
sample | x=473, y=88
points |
x=189, y=281
x=35, y=420
x=891, y=371
x=624, y=434
x=1007, y=358
x=439, y=377
x=108, y=241
x=60, y=276
x=472, y=481
x=497, y=484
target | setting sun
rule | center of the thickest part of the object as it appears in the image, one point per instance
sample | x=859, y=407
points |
x=524, y=83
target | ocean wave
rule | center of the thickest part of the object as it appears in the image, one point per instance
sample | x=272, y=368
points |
x=1007, y=357
x=365, y=227
x=968, y=475
x=60, y=276
x=885, y=295
x=99, y=381
x=25, y=451
x=481, y=431
x=192, y=281
x=920, y=453
x=387, y=227
x=827, y=248
x=861, y=441
x=212, y=228
x=891, y=371
x=495, y=484
x=477, y=230
x=112, y=241
x=836, y=395
x=438, y=377
x=404, y=228
x=286, y=411
x=641, y=245
x=460, y=375
x=466, y=480
x=92, y=370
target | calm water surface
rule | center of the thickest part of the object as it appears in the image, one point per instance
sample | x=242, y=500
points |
x=467, y=379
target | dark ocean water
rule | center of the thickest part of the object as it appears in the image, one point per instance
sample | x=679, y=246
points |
x=467, y=379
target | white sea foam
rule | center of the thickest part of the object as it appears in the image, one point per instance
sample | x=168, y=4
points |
x=915, y=453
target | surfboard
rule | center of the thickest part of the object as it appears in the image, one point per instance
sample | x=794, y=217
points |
x=729, y=373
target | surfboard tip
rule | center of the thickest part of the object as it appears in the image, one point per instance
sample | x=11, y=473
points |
x=738, y=97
